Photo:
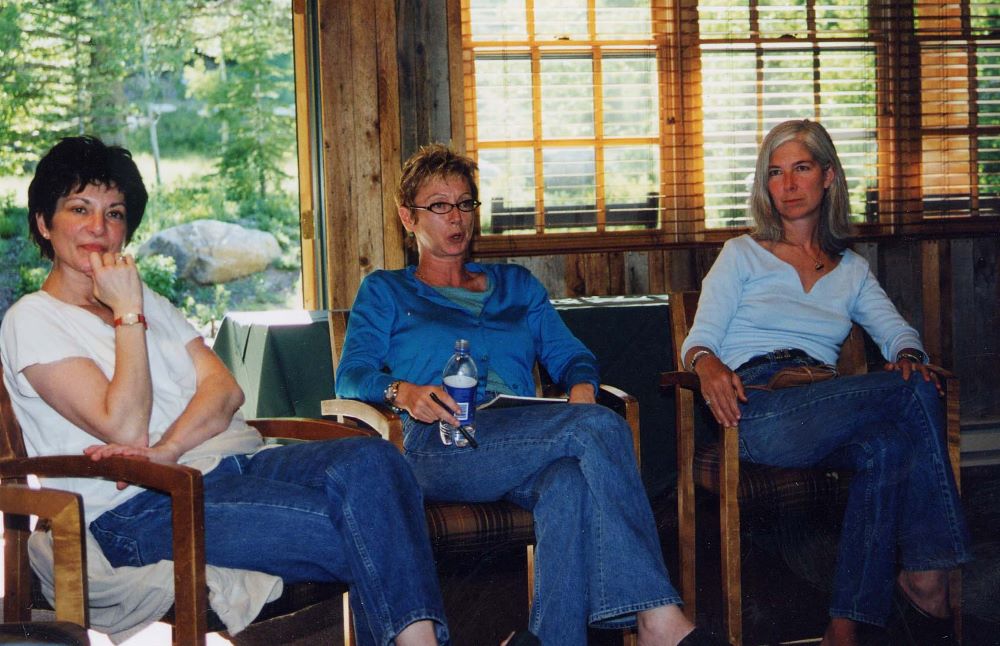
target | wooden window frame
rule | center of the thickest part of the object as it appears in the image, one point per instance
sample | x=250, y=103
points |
x=899, y=134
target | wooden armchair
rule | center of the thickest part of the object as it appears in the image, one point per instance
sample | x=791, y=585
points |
x=465, y=527
x=190, y=615
x=64, y=512
x=716, y=468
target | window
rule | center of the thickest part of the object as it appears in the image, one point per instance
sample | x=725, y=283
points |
x=959, y=51
x=201, y=93
x=780, y=62
x=637, y=122
x=566, y=119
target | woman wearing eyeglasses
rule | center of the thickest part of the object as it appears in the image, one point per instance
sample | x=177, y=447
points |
x=598, y=557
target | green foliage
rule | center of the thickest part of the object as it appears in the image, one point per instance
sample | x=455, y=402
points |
x=160, y=274
x=250, y=90
x=11, y=218
x=31, y=279
x=183, y=201
x=207, y=305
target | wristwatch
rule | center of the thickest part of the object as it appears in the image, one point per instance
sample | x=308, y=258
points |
x=391, y=391
x=131, y=318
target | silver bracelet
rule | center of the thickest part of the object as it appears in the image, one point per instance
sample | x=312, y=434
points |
x=912, y=356
x=697, y=356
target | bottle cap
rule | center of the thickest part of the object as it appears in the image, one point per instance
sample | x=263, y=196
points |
x=462, y=345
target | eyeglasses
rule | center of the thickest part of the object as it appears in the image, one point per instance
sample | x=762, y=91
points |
x=465, y=206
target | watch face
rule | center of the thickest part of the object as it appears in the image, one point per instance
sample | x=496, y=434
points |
x=130, y=319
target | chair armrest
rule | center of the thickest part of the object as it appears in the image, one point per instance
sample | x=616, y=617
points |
x=64, y=511
x=306, y=428
x=184, y=485
x=385, y=421
x=680, y=379
x=628, y=407
x=942, y=373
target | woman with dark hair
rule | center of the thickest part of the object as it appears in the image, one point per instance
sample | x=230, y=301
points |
x=787, y=296
x=97, y=363
x=598, y=559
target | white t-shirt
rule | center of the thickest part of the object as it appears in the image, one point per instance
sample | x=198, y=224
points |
x=41, y=329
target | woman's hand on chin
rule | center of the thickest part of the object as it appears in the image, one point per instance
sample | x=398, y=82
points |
x=116, y=282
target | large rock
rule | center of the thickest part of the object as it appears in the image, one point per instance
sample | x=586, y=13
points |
x=209, y=251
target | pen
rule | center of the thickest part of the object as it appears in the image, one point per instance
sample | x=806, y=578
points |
x=461, y=429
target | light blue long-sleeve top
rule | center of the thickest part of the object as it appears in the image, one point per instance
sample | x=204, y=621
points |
x=752, y=302
x=400, y=328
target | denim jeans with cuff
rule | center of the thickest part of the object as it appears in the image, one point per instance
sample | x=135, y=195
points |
x=903, y=509
x=343, y=510
x=598, y=558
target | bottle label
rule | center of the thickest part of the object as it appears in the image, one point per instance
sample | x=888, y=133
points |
x=462, y=389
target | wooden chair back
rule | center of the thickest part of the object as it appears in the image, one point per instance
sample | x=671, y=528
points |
x=11, y=442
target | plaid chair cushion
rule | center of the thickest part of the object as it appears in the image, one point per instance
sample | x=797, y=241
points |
x=473, y=527
x=784, y=489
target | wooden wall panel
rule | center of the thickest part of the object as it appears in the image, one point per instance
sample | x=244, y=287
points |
x=338, y=121
x=360, y=102
x=898, y=271
x=549, y=270
x=424, y=83
x=976, y=318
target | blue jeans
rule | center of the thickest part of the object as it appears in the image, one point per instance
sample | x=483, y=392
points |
x=598, y=558
x=343, y=510
x=902, y=508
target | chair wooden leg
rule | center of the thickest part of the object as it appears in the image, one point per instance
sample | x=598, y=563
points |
x=348, y=622
x=686, y=527
x=729, y=535
x=954, y=440
x=531, y=573
x=955, y=599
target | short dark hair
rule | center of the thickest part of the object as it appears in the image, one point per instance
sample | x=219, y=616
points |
x=434, y=161
x=75, y=163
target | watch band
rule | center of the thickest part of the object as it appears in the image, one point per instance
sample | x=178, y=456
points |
x=391, y=392
x=131, y=318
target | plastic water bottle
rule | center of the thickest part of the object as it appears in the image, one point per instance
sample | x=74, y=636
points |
x=460, y=380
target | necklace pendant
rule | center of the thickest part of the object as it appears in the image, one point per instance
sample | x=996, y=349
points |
x=819, y=266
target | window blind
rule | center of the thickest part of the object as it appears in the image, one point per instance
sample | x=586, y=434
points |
x=599, y=117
